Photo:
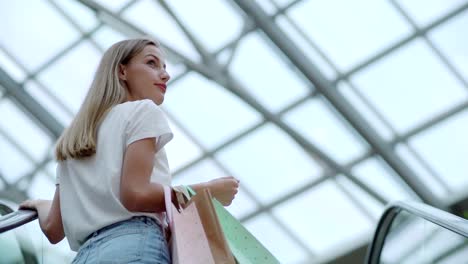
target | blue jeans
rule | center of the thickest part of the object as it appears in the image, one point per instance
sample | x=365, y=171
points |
x=137, y=240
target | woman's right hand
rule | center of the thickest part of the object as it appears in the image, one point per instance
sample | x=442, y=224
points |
x=224, y=189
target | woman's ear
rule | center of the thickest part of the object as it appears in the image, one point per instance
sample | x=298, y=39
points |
x=122, y=72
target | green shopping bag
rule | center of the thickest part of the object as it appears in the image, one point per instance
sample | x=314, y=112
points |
x=244, y=246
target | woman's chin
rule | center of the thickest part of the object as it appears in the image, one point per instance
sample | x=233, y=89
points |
x=158, y=101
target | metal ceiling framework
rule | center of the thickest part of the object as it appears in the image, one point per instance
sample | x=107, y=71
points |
x=257, y=19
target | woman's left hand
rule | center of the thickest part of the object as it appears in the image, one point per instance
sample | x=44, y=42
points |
x=224, y=189
x=30, y=204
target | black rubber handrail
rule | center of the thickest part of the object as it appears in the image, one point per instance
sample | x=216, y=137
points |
x=441, y=218
x=15, y=219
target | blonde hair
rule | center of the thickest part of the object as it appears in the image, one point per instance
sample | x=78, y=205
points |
x=107, y=90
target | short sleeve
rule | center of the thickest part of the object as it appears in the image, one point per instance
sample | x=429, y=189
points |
x=147, y=120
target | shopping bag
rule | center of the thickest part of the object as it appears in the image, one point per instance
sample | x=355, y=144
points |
x=196, y=235
x=243, y=245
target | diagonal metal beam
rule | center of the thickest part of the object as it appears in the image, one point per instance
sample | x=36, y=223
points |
x=27, y=102
x=324, y=86
x=435, y=175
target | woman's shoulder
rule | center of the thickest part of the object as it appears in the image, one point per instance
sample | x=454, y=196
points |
x=131, y=108
x=139, y=110
x=145, y=104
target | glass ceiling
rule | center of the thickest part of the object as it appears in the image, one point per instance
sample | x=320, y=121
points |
x=317, y=152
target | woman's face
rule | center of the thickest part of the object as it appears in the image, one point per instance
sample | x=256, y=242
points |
x=145, y=75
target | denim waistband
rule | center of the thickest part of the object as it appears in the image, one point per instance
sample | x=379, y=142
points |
x=143, y=218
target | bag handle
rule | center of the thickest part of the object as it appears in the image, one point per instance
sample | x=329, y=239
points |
x=190, y=191
x=182, y=197
x=168, y=203
x=182, y=194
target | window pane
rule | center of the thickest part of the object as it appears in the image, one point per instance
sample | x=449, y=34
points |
x=279, y=243
x=13, y=163
x=21, y=128
x=41, y=187
x=107, y=36
x=424, y=12
x=376, y=175
x=71, y=77
x=370, y=203
x=151, y=18
x=44, y=98
x=315, y=121
x=407, y=86
x=208, y=110
x=204, y=23
x=449, y=39
x=269, y=163
x=311, y=218
x=49, y=33
x=51, y=168
x=268, y=78
x=80, y=14
x=421, y=171
x=305, y=47
x=445, y=147
x=348, y=37
x=181, y=150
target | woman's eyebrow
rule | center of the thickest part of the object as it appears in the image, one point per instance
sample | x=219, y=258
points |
x=158, y=60
x=154, y=57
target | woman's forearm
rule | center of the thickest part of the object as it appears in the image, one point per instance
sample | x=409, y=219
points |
x=148, y=198
x=151, y=198
x=50, y=220
x=199, y=186
x=43, y=208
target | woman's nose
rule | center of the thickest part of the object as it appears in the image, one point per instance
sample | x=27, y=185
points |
x=165, y=76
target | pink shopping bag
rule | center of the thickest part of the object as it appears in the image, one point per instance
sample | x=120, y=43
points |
x=196, y=234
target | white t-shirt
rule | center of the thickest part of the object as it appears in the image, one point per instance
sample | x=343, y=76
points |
x=90, y=188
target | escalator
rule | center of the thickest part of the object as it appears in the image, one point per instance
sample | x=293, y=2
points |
x=407, y=233
x=16, y=245
x=22, y=241
x=418, y=234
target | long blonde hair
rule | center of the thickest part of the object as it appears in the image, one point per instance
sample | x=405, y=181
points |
x=107, y=90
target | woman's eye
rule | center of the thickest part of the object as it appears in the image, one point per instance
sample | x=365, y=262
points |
x=152, y=63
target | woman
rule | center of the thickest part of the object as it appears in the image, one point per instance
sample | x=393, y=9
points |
x=109, y=198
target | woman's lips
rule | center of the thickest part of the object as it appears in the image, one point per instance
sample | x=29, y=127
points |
x=162, y=87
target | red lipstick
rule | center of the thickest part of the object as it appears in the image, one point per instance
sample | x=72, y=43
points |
x=161, y=86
